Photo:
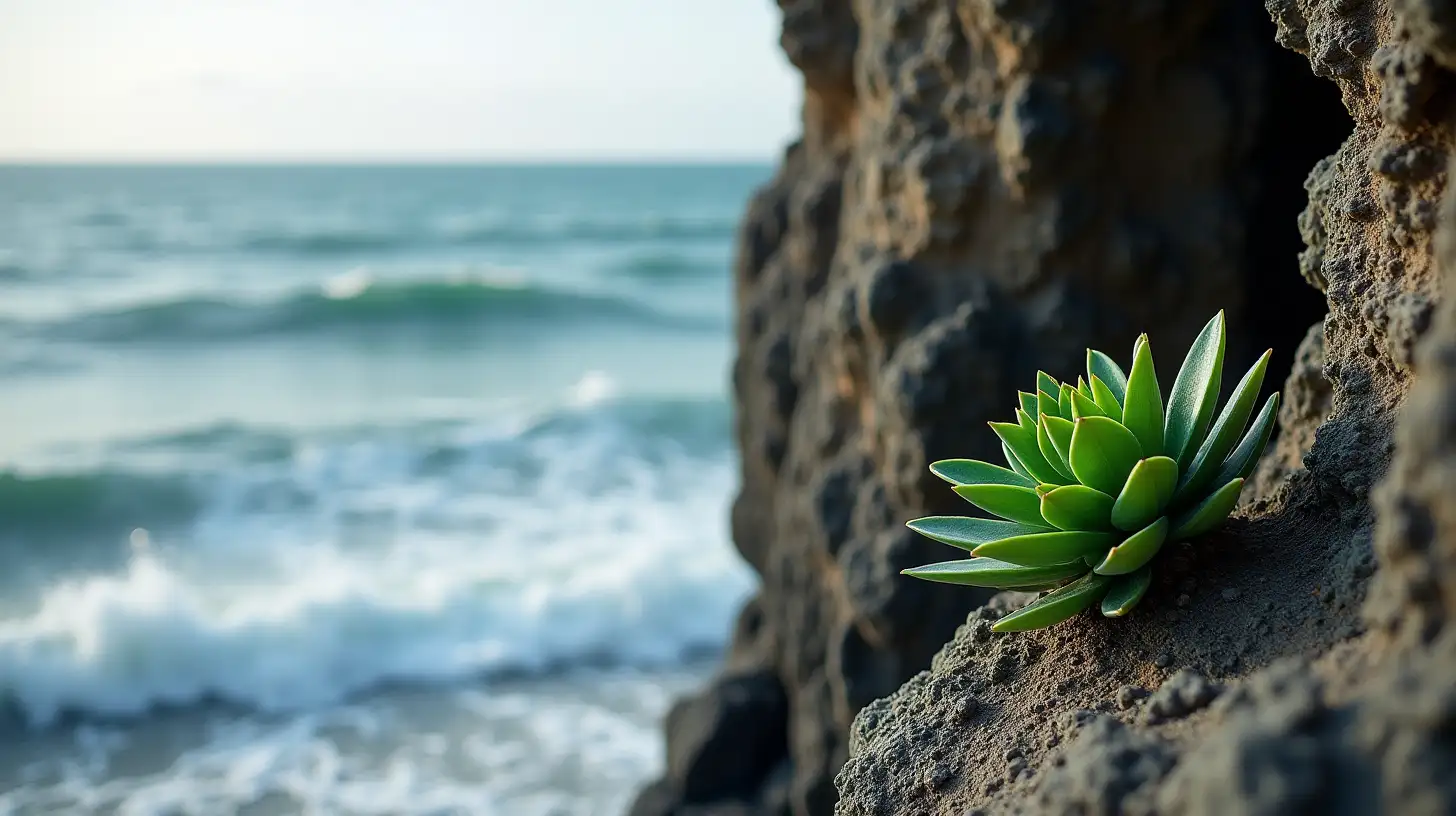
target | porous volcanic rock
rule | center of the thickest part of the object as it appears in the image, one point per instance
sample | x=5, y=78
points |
x=1318, y=622
x=987, y=187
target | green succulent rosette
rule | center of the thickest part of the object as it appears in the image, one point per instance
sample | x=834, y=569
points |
x=1099, y=476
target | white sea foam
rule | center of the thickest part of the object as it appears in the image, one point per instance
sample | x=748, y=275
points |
x=193, y=353
x=552, y=547
x=562, y=748
x=349, y=284
x=594, y=387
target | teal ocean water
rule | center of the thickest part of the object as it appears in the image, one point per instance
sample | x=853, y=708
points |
x=359, y=490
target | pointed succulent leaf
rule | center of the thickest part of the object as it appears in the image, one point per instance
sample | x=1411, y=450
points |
x=988, y=572
x=1142, y=405
x=1195, y=394
x=1047, y=405
x=1015, y=463
x=1100, y=366
x=1136, y=550
x=1103, y=452
x=1044, y=549
x=1049, y=450
x=1101, y=475
x=1023, y=443
x=1209, y=513
x=969, y=533
x=1056, y=606
x=974, y=471
x=1110, y=404
x=1077, y=507
x=1021, y=504
x=1027, y=403
x=1059, y=431
x=1025, y=420
x=1224, y=434
x=1042, y=587
x=1148, y=490
x=1083, y=406
x=1245, y=457
x=1126, y=591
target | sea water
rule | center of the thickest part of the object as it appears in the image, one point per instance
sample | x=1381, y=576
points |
x=359, y=490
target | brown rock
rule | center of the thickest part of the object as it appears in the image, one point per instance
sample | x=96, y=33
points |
x=1330, y=704
x=985, y=188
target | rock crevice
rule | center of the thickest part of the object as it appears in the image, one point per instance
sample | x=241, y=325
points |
x=987, y=188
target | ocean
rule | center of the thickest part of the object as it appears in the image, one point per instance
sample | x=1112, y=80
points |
x=376, y=490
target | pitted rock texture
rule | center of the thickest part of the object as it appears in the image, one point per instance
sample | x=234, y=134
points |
x=984, y=188
x=1309, y=667
x=1305, y=407
x=1033, y=692
x=1415, y=591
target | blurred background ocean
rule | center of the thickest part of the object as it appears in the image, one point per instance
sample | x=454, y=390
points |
x=359, y=489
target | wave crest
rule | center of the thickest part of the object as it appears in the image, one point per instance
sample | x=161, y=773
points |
x=349, y=240
x=103, y=499
x=313, y=569
x=426, y=307
x=125, y=644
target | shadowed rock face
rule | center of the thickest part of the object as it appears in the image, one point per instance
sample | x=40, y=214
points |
x=987, y=187
x=1301, y=660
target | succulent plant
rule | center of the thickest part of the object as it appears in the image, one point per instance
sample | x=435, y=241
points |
x=1100, y=476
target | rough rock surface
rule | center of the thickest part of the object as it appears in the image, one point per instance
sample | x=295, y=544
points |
x=1306, y=664
x=985, y=187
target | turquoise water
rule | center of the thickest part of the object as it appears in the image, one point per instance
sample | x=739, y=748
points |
x=331, y=489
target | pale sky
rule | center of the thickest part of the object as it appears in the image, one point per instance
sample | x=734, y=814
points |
x=141, y=80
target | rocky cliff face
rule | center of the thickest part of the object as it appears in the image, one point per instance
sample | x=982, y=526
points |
x=1293, y=667
x=984, y=188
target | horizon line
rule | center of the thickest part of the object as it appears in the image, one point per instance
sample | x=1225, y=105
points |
x=384, y=161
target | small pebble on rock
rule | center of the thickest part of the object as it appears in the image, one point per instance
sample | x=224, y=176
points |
x=940, y=775
x=1128, y=696
x=966, y=709
x=1180, y=695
